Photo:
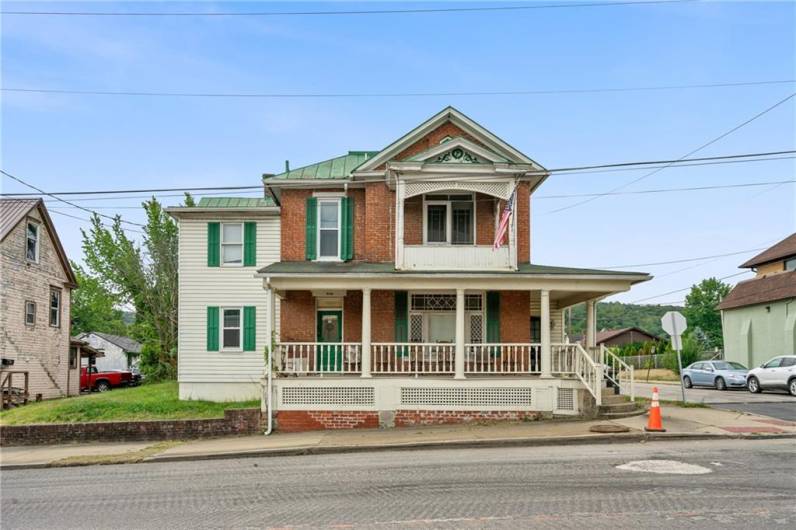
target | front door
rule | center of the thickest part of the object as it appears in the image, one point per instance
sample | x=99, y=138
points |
x=329, y=358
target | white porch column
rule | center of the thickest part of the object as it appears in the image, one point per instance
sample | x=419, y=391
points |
x=591, y=324
x=459, y=359
x=400, y=192
x=547, y=356
x=366, y=332
x=270, y=316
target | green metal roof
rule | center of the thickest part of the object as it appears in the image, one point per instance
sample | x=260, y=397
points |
x=355, y=267
x=235, y=202
x=334, y=168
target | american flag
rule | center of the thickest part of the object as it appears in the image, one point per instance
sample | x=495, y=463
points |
x=503, y=227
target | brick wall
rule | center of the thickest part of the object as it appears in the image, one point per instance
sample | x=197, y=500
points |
x=382, y=320
x=515, y=316
x=411, y=418
x=308, y=420
x=352, y=316
x=379, y=228
x=293, y=221
x=413, y=220
x=40, y=349
x=297, y=317
x=235, y=422
x=484, y=219
x=433, y=139
x=523, y=213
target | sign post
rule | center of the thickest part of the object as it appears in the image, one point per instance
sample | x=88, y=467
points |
x=674, y=323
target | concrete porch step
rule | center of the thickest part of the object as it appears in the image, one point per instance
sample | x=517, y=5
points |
x=626, y=406
x=618, y=407
x=612, y=399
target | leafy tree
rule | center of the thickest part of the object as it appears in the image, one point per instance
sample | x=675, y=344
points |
x=701, y=309
x=94, y=308
x=691, y=352
x=144, y=276
x=189, y=200
x=615, y=315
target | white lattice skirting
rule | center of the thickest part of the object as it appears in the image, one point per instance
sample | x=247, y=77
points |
x=557, y=396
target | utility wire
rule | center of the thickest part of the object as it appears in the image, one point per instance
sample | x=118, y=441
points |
x=571, y=169
x=287, y=95
x=338, y=13
x=83, y=219
x=9, y=175
x=685, y=260
x=685, y=288
x=700, y=148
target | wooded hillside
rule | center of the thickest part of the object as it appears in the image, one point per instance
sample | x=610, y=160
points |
x=614, y=315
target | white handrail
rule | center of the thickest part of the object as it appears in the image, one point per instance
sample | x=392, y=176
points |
x=589, y=372
x=618, y=372
x=502, y=358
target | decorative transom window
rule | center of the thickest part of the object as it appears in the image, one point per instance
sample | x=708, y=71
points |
x=444, y=302
x=32, y=242
x=329, y=228
x=476, y=328
x=30, y=313
x=230, y=327
x=232, y=244
x=55, y=307
x=449, y=219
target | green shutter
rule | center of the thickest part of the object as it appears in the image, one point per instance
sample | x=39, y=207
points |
x=213, y=244
x=249, y=244
x=401, y=316
x=311, y=235
x=249, y=328
x=493, y=316
x=343, y=228
x=348, y=228
x=212, y=328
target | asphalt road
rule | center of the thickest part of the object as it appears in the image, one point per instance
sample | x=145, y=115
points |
x=747, y=484
x=775, y=403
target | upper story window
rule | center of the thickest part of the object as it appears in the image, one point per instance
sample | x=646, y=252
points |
x=790, y=264
x=55, y=307
x=232, y=244
x=449, y=219
x=329, y=229
x=30, y=313
x=32, y=242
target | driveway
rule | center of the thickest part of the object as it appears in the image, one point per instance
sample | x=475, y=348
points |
x=777, y=404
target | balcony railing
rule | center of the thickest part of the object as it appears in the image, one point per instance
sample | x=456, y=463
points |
x=465, y=257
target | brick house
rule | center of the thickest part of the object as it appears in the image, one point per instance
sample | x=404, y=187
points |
x=388, y=304
x=36, y=282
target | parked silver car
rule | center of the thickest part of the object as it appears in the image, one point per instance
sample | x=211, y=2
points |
x=721, y=375
x=779, y=372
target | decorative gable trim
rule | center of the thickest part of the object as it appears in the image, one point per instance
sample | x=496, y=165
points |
x=449, y=114
x=458, y=151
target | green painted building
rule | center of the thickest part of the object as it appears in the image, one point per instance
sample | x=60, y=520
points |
x=759, y=315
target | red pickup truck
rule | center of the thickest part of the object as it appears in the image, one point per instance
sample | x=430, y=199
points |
x=104, y=381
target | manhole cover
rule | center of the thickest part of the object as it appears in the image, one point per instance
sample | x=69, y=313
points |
x=608, y=428
x=672, y=467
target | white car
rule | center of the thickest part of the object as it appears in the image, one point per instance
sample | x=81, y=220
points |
x=779, y=372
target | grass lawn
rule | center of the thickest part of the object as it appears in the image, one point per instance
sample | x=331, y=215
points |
x=157, y=401
x=656, y=374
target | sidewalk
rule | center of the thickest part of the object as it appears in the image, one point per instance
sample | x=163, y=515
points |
x=680, y=422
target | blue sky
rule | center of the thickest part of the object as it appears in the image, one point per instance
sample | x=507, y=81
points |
x=66, y=142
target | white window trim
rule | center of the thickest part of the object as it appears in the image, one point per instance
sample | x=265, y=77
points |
x=50, y=307
x=221, y=328
x=425, y=314
x=30, y=324
x=31, y=222
x=242, y=244
x=342, y=320
x=448, y=221
x=329, y=200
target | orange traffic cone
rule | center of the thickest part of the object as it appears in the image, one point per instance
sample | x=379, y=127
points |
x=655, y=423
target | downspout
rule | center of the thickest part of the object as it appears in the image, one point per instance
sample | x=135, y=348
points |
x=266, y=402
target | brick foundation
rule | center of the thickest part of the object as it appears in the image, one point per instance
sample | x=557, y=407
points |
x=235, y=422
x=412, y=418
x=312, y=420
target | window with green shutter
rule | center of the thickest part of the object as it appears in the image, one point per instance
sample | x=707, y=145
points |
x=213, y=244
x=402, y=320
x=347, y=237
x=249, y=244
x=311, y=228
x=212, y=328
x=249, y=328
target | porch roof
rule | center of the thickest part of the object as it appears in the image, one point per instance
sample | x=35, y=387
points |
x=323, y=268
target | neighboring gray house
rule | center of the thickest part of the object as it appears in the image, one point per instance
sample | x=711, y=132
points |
x=36, y=283
x=121, y=353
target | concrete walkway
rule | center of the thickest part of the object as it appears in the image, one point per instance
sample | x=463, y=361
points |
x=679, y=422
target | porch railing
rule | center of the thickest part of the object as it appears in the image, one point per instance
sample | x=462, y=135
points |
x=589, y=372
x=503, y=358
x=618, y=372
x=412, y=358
x=303, y=358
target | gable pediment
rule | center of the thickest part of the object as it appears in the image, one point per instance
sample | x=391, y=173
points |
x=458, y=151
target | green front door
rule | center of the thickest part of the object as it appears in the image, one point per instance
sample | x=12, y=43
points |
x=329, y=358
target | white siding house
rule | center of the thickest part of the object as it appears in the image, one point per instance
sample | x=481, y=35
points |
x=210, y=291
x=120, y=353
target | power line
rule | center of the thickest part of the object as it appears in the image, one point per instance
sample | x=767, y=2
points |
x=685, y=288
x=287, y=95
x=9, y=175
x=700, y=148
x=685, y=260
x=338, y=13
x=667, y=190
x=571, y=169
x=59, y=212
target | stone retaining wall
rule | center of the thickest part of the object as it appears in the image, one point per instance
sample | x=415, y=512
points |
x=235, y=422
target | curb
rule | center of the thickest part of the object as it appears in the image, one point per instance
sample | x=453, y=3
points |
x=605, y=439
